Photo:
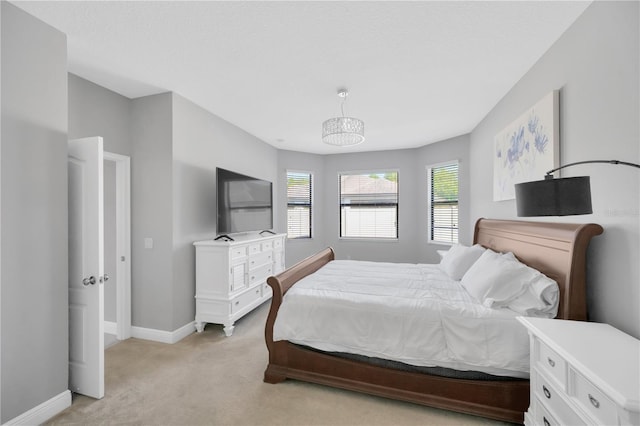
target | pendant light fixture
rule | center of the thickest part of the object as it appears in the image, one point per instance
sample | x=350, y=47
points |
x=343, y=131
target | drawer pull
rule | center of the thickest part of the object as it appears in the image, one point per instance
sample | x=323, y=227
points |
x=546, y=392
x=594, y=401
x=546, y=422
x=257, y=290
x=237, y=302
x=551, y=362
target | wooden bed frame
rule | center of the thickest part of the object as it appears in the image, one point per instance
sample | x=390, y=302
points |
x=556, y=249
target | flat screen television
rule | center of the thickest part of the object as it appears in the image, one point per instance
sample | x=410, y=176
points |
x=244, y=203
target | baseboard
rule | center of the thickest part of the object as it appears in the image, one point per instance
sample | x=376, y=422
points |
x=161, y=336
x=111, y=327
x=183, y=332
x=44, y=411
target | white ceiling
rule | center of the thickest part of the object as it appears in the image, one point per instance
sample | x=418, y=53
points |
x=417, y=72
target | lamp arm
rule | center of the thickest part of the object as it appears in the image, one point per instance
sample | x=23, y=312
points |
x=549, y=174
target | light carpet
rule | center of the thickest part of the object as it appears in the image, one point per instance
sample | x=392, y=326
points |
x=210, y=379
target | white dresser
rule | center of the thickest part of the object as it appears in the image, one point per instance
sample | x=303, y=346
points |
x=582, y=373
x=231, y=277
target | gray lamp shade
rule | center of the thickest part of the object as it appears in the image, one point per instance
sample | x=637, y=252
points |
x=554, y=197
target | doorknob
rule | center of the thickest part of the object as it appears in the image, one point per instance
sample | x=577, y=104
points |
x=91, y=280
x=104, y=278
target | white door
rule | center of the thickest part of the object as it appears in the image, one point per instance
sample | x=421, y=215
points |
x=86, y=275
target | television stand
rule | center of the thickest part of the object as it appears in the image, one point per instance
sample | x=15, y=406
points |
x=223, y=237
x=267, y=230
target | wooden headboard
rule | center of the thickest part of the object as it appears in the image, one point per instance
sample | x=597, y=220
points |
x=558, y=250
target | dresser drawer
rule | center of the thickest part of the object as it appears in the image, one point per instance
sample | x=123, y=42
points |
x=260, y=274
x=592, y=400
x=260, y=260
x=267, y=245
x=550, y=398
x=238, y=252
x=255, y=248
x=542, y=416
x=245, y=299
x=550, y=362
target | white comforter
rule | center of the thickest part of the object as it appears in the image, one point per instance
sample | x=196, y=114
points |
x=410, y=313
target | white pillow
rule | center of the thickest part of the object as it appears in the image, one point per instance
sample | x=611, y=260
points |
x=540, y=299
x=442, y=253
x=459, y=259
x=495, y=280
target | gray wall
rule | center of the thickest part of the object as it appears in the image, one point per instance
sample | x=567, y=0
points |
x=412, y=244
x=202, y=142
x=404, y=249
x=444, y=151
x=174, y=147
x=96, y=111
x=152, y=212
x=298, y=249
x=141, y=129
x=595, y=65
x=34, y=213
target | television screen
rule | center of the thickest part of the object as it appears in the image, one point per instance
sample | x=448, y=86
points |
x=244, y=203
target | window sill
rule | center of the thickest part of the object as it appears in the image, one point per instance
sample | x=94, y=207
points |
x=367, y=240
x=440, y=243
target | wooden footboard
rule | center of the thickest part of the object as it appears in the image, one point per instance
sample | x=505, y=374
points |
x=557, y=250
x=280, y=284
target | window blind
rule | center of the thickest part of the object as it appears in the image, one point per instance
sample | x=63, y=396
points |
x=443, y=203
x=369, y=204
x=299, y=205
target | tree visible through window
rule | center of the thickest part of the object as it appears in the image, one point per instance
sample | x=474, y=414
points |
x=369, y=204
x=298, y=205
x=443, y=203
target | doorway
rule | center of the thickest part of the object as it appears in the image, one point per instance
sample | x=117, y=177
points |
x=117, y=248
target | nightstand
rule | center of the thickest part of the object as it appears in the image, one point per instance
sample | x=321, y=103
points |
x=582, y=373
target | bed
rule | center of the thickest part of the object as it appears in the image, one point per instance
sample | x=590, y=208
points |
x=558, y=250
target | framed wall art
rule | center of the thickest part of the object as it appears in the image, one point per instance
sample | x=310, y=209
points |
x=527, y=148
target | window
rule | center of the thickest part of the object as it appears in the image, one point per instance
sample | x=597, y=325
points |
x=369, y=205
x=443, y=202
x=298, y=205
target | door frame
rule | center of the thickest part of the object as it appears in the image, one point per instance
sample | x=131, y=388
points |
x=123, y=243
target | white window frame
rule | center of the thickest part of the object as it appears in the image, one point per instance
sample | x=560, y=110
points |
x=363, y=172
x=429, y=206
x=311, y=205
